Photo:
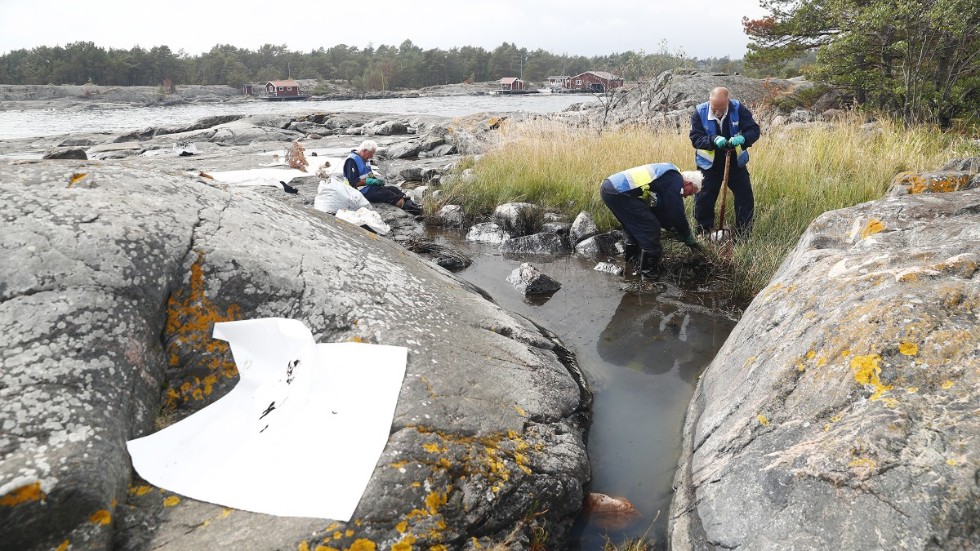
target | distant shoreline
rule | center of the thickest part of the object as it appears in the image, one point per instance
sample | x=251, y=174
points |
x=51, y=96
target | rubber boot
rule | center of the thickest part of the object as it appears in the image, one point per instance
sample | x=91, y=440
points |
x=631, y=252
x=650, y=265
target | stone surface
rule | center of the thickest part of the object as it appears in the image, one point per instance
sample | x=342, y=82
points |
x=72, y=153
x=940, y=181
x=518, y=219
x=487, y=232
x=842, y=412
x=609, y=268
x=538, y=243
x=604, y=244
x=112, y=277
x=583, y=227
x=529, y=280
x=561, y=228
x=450, y=216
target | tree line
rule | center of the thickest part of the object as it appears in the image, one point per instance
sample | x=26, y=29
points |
x=919, y=59
x=406, y=66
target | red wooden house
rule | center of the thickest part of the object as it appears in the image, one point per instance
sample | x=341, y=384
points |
x=282, y=88
x=594, y=81
x=511, y=84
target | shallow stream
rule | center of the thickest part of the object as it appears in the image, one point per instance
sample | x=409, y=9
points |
x=642, y=352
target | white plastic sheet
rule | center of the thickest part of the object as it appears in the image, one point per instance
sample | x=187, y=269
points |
x=299, y=435
x=364, y=216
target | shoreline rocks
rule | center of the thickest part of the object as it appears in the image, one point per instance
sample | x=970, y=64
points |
x=841, y=413
x=116, y=274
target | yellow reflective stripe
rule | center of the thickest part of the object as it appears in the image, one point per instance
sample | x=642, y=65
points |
x=639, y=176
x=706, y=154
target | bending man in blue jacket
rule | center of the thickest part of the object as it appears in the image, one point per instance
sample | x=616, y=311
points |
x=645, y=199
x=723, y=126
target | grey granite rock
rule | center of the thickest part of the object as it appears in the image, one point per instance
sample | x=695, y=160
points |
x=112, y=277
x=529, y=280
x=841, y=413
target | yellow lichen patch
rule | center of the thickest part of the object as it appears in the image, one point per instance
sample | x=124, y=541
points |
x=24, y=494
x=951, y=462
x=863, y=462
x=432, y=447
x=867, y=372
x=190, y=319
x=416, y=484
x=520, y=411
x=872, y=227
x=947, y=384
x=435, y=500
x=800, y=366
x=908, y=348
x=140, y=490
x=810, y=355
x=171, y=501
x=100, y=517
x=337, y=535
x=821, y=361
x=303, y=546
x=763, y=420
x=889, y=402
x=439, y=547
x=348, y=533
x=362, y=545
x=64, y=546
x=325, y=548
x=402, y=526
x=912, y=389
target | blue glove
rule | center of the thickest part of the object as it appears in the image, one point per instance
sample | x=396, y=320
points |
x=373, y=181
x=736, y=141
x=720, y=142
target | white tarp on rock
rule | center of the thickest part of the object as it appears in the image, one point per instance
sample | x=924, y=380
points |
x=299, y=435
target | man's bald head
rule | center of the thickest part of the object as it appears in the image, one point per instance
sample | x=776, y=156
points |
x=719, y=99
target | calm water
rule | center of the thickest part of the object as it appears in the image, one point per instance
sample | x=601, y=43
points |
x=642, y=353
x=52, y=122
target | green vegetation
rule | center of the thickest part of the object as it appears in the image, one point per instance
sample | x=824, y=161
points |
x=372, y=68
x=917, y=59
x=797, y=174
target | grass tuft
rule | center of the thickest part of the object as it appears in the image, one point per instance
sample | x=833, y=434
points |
x=797, y=174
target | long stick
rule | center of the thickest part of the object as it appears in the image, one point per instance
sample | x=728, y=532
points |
x=724, y=186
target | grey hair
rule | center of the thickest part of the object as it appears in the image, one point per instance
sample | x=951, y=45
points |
x=695, y=177
x=368, y=145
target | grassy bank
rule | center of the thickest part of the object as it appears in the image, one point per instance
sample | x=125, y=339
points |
x=797, y=174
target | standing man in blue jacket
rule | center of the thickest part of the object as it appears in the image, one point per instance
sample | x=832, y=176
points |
x=723, y=126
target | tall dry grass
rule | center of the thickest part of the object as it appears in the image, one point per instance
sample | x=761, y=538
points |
x=797, y=174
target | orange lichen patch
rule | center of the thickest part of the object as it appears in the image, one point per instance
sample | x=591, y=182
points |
x=303, y=546
x=171, y=501
x=402, y=526
x=362, y=545
x=872, y=227
x=140, y=490
x=190, y=319
x=100, y=517
x=24, y=494
x=938, y=182
x=763, y=420
x=908, y=348
x=337, y=535
x=868, y=372
x=435, y=500
x=405, y=544
x=76, y=177
x=64, y=546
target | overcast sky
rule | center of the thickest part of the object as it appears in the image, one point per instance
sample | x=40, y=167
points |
x=702, y=28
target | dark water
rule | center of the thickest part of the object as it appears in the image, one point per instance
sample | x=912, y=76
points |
x=642, y=352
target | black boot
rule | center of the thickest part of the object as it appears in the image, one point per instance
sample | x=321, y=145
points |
x=650, y=265
x=411, y=207
x=631, y=252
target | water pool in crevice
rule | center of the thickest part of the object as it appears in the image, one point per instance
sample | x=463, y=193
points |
x=642, y=352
